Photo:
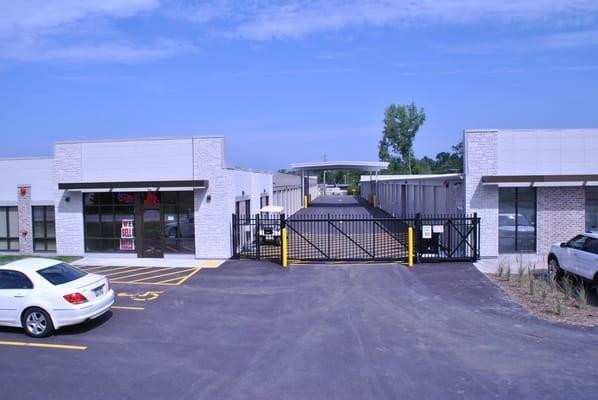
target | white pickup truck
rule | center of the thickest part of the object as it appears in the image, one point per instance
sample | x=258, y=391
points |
x=578, y=256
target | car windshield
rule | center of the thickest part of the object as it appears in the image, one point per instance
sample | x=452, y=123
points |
x=61, y=273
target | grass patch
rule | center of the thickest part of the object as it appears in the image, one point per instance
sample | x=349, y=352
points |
x=5, y=259
x=567, y=300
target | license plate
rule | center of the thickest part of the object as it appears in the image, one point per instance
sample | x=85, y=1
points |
x=98, y=291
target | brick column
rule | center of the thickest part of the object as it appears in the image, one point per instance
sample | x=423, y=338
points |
x=561, y=215
x=25, y=219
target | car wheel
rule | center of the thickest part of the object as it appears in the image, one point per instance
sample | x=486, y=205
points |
x=37, y=323
x=554, y=270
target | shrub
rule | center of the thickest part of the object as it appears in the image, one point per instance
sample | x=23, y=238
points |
x=582, y=296
x=558, y=306
x=508, y=273
x=500, y=269
x=544, y=292
x=531, y=285
x=520, y=275
x=567, y=287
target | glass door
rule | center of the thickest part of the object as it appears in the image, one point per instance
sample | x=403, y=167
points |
x=152, y=240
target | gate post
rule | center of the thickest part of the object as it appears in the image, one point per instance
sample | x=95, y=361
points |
x=410, y=247
x=418, y=235
x=476, y=229
x=284, y=252
x=234, y=232
x=257, y=234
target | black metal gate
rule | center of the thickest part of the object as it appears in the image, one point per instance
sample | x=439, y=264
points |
x=257, y=237
x=329, y=238
x=346, y=238
x=441, y=238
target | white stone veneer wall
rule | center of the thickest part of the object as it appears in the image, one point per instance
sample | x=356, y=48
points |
x=69, y=214
x=480, y=160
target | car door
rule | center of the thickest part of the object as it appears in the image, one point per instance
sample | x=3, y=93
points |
x=14, y=288
x=587, y=260
x=571, y=254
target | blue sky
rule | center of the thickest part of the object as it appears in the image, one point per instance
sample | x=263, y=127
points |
x=289, y=81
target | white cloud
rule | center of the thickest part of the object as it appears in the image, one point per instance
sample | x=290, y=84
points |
x=42, y=30
x=264, y=20
x=35, y=15
x=123, y=52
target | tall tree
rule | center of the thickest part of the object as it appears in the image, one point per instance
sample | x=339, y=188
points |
x=401, y=123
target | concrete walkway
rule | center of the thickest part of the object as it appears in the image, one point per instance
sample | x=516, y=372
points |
x=147, y=262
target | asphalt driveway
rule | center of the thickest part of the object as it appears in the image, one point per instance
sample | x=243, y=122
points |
x=253, y=330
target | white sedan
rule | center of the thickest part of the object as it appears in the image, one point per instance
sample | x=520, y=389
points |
x=578, y=256
x=42, y=295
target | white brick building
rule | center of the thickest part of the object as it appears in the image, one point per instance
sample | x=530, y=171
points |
x=176, y=196
x=531, y=188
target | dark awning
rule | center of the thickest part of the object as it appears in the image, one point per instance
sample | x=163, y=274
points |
x=191, y=184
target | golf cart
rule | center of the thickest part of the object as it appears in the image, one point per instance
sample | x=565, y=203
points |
x=270, y=225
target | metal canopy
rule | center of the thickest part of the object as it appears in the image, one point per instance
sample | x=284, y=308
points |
x=372, y=166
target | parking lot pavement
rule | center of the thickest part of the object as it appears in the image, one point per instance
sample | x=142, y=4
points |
x=252, y=330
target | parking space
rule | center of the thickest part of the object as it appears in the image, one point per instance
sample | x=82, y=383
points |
x=165, y=276
x=255, y=330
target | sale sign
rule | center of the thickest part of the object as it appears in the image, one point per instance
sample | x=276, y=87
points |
x=127, y=237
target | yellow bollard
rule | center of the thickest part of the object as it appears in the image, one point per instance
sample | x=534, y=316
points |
x=285, y=254
x=374, y=200
x=410, y=246
x=305, y=201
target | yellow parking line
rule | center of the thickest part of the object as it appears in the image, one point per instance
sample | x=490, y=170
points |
x=189, y=276
x=104, y=271
x=180, y=271
x=131, y=269
x=173, y=280
x=144, y=283
x=181, y=279
x=144, y=273
x=43, y=345
x=96, y=268
x=131, y=308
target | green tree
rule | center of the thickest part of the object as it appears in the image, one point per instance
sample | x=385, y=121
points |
x=401, y=123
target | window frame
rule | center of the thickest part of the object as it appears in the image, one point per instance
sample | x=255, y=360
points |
x=591, y=207
x=9, y=238
x=516, y=225
x=44, y=238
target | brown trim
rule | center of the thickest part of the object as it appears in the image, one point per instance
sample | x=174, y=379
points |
x=135, y=184
x=538, y=178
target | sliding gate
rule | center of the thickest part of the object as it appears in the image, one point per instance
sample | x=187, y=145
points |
x=346, y=238
x=356, y=238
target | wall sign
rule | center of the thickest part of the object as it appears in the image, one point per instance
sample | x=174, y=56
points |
x=426, y=231
x=438, y=229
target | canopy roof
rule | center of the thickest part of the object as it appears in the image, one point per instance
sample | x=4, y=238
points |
x=342, y=165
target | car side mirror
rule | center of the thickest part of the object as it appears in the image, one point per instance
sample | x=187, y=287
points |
x=564, y=244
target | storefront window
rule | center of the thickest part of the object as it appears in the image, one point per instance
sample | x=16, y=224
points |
x=592, y=209
x=111, y=220
x=179, y=229
x=517, y=220
x=104, y=215
x=44, y=228
x=9, y=229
